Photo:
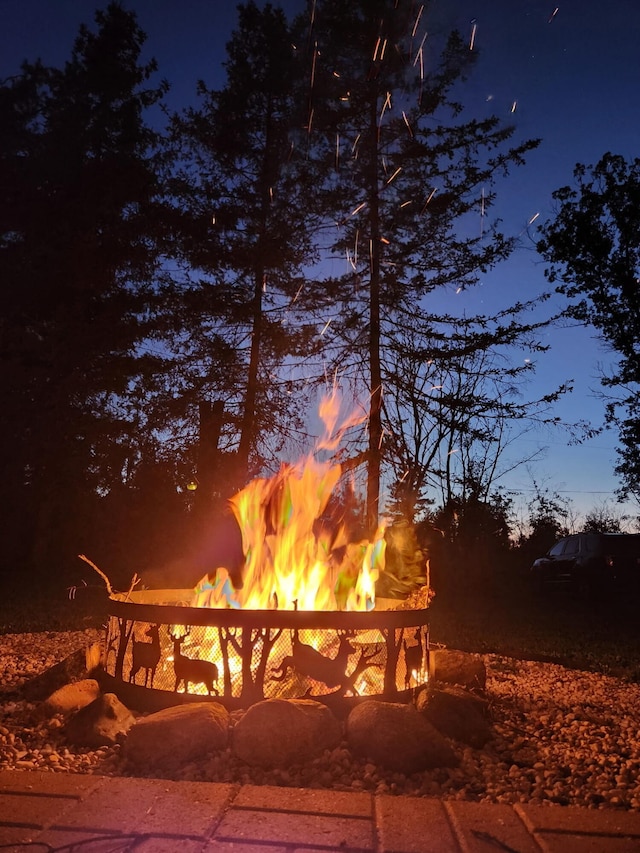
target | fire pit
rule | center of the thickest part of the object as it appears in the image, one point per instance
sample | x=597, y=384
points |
x=296, y=617
x=160, y=652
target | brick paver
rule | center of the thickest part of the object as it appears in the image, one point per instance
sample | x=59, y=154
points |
x=478, y=827
x=304, y=800
x=34, y=810
x=297, y=829
x=40, y=810
x=558, y=843
x=152, y=806
x=47, y=782
x=572, y=818
x=19, y=836
x=239, y=847
x=411, y=825
x=297, y=816
x=569, y=829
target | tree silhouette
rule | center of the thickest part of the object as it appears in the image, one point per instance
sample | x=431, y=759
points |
x=241, y=175
x=404, y=173
x=78, y=248
x=593, y=248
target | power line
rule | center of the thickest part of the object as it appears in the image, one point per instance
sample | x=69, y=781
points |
x=561, y=491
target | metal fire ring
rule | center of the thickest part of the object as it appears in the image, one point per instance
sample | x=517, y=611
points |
x=159, y=651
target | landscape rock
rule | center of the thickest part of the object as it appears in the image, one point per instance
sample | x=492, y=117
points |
x=559, y=734
x=102, y=723
x=454, y=667
x=397, y=737
x=79, y=665
x=281, y=732
x=71, y=697
x=174, y=736
x=457, y=714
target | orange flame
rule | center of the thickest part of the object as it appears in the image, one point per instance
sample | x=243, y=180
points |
x=292, y=559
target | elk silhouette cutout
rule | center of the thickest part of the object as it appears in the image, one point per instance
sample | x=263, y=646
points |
x=192, y=670
x=413, y=657
x=307, y=661
x=146, y=655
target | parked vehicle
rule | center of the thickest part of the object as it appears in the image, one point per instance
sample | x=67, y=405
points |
x=591, y=562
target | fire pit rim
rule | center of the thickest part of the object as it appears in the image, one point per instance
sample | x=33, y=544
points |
x=170, y=608
x=166, y=613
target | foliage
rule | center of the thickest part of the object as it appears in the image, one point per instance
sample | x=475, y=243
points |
x=79, y=232
x=593, y=247
x=546, y=523
x=406, y=178
x=468, y=541
x=146, y=284
x=603, y=519
x=453, y=411
x=244, y=236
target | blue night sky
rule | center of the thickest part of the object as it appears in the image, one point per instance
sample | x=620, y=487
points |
x=572, y=70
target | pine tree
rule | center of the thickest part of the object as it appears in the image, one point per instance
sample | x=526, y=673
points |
x=78, y=233
x=245, y=231
x=408, y=179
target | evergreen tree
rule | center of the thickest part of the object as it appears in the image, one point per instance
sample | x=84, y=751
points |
x=245, y=228
x=469, y=539
x=78, y=233
x=593, y=248
x=408, y=175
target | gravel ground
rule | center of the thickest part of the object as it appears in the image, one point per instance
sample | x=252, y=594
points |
x=561, y=737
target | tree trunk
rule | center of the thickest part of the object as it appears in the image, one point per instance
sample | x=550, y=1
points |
x=375, y=410
x=247, y=429
x=210, y=427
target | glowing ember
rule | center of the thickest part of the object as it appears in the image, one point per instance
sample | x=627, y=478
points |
x=292, y=559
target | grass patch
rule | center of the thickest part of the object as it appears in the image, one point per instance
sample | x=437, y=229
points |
x=598, y=634
x=25, y=611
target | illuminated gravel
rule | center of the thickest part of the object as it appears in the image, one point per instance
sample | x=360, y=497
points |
x=561, y=737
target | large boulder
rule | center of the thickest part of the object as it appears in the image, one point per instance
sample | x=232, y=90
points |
x=281, y=732
x=456, y=713
x=102, y=723
x=397, y=737
x=174, y=736
x=450, y=666
x=72, y=697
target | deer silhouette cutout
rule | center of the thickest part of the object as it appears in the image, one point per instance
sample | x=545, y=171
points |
x=413, y=657
x=146, y=655
x=192, y=670
x=307, y=661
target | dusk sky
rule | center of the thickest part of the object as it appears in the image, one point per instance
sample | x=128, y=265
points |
x=568, y=72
